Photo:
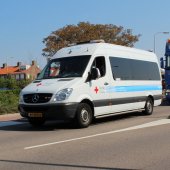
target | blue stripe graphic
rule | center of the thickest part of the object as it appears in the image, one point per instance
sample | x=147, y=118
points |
x=133, y=88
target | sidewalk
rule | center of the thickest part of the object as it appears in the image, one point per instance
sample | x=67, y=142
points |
x=10, y=117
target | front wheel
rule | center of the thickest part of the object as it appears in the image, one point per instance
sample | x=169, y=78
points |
x=83, y=115
x=148, y=106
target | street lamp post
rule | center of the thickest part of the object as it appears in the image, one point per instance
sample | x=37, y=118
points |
x=155, y=38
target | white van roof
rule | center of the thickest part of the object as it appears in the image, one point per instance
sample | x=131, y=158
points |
x=103, y=49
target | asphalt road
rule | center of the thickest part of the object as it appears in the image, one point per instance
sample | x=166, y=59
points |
x=130, y=141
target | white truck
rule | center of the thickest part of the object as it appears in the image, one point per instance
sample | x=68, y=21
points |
x=91, y=80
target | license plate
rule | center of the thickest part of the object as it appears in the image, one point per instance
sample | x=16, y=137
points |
x=35, y=114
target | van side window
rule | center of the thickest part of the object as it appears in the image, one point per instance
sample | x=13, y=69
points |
x=130, y=69
x=99, y=63
x=121, y=68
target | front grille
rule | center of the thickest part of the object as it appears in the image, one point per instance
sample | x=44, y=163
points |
x=37, y=98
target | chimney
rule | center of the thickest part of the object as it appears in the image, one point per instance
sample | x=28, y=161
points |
x=34, y=63
x=4, y=65
x=19, y=64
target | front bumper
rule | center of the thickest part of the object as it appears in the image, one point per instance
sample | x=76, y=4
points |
x=50, y=111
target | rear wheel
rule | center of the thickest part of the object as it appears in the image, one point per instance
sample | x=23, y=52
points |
x=148, y=106
x=37, y=122
x=83, y=115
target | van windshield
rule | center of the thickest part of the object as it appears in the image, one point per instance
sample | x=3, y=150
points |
x=65, y=67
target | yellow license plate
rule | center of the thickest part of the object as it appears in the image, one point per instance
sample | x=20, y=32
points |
x=35, y=114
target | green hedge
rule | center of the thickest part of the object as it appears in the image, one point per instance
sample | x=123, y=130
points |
x=9, y=101
x=11, y=83
x=9, y=98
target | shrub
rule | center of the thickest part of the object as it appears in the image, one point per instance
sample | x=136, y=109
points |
x=9, y=94
x=9, y=101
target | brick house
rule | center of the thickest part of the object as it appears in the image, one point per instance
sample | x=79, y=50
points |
x=20, y=71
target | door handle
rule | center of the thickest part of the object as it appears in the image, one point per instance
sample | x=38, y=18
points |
x=106, y=83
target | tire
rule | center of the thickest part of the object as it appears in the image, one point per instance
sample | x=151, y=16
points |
x=148, y=106
x=36, y=122
x=83, y=115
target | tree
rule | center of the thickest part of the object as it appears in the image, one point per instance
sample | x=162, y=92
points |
x=84, y=31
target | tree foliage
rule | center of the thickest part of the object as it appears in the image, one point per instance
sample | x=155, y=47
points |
x=84, y=31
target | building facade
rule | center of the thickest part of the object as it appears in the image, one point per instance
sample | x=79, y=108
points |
x=20, y=71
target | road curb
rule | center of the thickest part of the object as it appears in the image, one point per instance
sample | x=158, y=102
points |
x=10, y=117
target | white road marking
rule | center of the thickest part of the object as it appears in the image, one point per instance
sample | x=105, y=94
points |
x=9, y=123
x=150, y=124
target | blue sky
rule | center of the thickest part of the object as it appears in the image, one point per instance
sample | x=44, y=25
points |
x=24, y=23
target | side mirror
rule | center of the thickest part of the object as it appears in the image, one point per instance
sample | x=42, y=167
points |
x=95, y=73
x=162, y=62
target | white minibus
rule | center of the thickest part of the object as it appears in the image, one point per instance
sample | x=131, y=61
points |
x=91, y=80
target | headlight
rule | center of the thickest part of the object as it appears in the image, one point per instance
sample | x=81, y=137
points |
x=21, y=98
x=63, y=94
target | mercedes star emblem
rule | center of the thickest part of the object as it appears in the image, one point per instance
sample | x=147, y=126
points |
x=35, y=98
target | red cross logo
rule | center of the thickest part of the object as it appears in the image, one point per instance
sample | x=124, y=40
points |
x=39, y=84
x=96, y=89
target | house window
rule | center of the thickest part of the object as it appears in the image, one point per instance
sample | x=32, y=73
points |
x=12, y=76
x=22, y=76
x=17, y=76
